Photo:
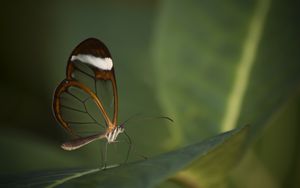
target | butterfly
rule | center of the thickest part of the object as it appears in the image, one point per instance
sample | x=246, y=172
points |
x=89, y=74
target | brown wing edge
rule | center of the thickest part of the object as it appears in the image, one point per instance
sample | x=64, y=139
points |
x=56, y=108
x=64, y=85
x=91, y=46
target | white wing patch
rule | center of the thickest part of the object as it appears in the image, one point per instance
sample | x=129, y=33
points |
x=98, y=62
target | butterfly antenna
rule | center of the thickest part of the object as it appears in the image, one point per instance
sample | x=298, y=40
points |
x=133, y=117
x=129, y=119
x=161, y=117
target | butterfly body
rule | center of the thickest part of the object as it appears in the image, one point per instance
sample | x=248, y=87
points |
x=112, y=135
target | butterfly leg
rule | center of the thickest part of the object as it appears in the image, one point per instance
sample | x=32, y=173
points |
x=129, y=147
x=104, y=156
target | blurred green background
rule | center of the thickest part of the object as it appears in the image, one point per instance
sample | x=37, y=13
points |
x=210, y=65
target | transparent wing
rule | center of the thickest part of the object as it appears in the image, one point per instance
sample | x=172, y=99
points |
x=77, y=111
x=86, y=102
x=103, y=89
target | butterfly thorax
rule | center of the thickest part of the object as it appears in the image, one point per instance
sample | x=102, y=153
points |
x=112, y=135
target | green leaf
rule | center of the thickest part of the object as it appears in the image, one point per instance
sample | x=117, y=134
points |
x=49, y=178
x=146, y=173
x=275, y=155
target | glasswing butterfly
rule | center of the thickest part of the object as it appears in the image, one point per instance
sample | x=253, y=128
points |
x=80, y=101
